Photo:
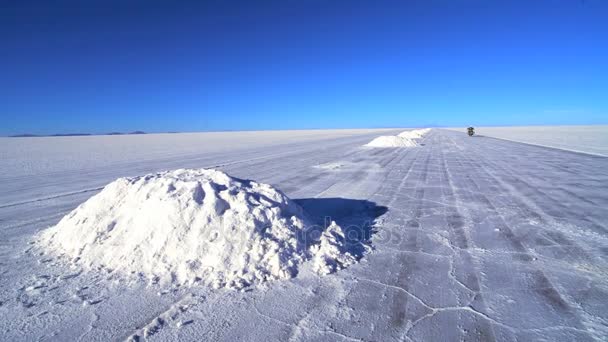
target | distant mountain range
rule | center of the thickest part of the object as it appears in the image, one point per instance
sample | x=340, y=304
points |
x=71, y=134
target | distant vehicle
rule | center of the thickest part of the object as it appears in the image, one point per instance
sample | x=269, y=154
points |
x=471, y=131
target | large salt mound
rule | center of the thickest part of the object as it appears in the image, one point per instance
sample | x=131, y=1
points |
x=187, y=226
x=391, y=141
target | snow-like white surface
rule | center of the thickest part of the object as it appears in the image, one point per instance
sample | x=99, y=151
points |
x=391, y=141
x=474, y=239
x=39, y=155
x=403, y=139
x=190, y=226
x=50, y=165
x=586, y=139
x=415, y=133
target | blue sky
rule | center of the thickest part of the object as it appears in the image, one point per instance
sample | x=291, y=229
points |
x=102, y=66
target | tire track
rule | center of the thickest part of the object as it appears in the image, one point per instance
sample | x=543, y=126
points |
x=540, y=283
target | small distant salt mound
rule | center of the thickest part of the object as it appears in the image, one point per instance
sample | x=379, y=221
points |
x=188, y=226
x=391, y=141
x=414, y=134
x=404, y=139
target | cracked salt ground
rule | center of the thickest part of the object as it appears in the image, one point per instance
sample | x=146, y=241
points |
x=476, y=239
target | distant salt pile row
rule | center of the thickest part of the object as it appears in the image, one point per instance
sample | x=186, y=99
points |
x=195, y=226
x=414, y=134
x=392, y=141
x=404, y=139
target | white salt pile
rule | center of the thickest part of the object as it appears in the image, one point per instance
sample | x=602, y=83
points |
x=188, y=226
x=404, y=139
x=414, y=134
x=391, y=141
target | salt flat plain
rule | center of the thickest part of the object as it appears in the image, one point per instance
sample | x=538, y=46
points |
x=586, y=139
x=475, y=239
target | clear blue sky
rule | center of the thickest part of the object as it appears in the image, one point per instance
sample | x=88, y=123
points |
x=101, y=66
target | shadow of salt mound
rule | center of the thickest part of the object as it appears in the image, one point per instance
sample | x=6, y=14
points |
x=356, y=217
